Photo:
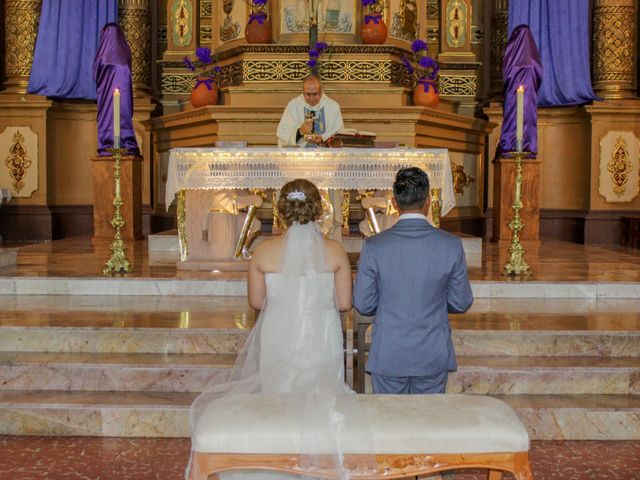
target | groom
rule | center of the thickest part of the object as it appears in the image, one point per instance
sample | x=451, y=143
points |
x=410, y=276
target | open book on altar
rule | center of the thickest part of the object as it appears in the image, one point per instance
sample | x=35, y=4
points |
x=352, y=132
x=350, y=137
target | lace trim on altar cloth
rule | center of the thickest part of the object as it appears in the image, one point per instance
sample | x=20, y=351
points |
x=265, y=168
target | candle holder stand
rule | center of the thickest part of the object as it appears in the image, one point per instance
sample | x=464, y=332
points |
x=516, y=264
x=118, y=263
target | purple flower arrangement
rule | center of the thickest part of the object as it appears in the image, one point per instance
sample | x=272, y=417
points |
x=425, y=69
x=314, y=54
x=204, y=58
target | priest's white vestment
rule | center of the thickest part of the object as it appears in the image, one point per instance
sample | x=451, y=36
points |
x=327, y=120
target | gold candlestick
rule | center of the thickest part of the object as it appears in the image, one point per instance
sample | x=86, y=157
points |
x=516, y=264
x=118, y=263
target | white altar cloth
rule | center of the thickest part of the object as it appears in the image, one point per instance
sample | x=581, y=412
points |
x=327, y=168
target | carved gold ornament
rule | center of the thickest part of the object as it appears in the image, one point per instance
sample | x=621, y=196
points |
x=461, y=179
x=18, y=162
x=135, y=21
x=613, y=43
x=620, y=166
x=21, y=19
x=456, y=23
x=182, y=11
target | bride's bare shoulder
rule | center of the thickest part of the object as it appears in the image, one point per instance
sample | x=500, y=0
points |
x=268, y=253
x=335, y=252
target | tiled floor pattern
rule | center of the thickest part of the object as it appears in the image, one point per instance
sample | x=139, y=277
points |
x=58, y=458
x=552, y=260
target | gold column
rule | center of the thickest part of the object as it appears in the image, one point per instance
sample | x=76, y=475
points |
x=22, y=18
x=614, y=47
x=135, y=21
x=499, y=32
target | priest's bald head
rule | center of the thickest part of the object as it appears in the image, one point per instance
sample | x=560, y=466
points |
x=312, y=89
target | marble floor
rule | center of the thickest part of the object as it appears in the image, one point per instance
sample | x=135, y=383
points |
x=57, y=458
x=551, y=260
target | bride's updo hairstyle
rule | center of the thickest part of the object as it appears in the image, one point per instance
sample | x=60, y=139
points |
x=299, y=202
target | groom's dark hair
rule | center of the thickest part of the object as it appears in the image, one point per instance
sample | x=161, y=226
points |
x=411, y=188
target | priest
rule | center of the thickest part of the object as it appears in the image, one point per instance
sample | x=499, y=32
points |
x=310, y=118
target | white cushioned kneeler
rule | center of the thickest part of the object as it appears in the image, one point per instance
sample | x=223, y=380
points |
x=399, y=424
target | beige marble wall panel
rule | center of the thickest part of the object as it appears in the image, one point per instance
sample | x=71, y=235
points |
x=72, y=142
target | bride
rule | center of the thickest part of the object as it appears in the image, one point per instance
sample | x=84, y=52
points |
x=300, y=282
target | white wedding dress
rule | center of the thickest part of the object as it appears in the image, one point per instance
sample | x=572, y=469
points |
x=295, y=350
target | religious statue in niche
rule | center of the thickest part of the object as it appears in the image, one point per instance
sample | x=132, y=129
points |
x=333, y=15
x=405, y=21
x=230, y=28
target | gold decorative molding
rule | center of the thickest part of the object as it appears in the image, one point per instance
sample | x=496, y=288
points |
x=456, y=23
x=499, y=36
x=18, y=161
x=614, y=48
x=21, y=29
x=205, y=34
x=461, y=179
x=332, y=70
x=619, y=164
x=457, y=84
x=620, y=167
x=135, y=21
x=181, y=22
x=205, y=9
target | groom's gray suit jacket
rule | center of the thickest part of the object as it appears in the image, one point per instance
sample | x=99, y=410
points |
x=409, y=277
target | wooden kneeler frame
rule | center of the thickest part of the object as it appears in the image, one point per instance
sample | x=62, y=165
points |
x=387, y=466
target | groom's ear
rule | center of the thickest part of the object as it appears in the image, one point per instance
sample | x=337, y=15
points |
x=395, y=204
x=427, y=204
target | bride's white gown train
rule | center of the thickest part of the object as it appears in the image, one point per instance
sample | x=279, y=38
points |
x=296, y=350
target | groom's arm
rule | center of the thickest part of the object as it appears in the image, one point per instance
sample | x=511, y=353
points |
x=459, y=295
x=365, y=292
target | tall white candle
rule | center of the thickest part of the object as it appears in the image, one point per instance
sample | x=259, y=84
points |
x=519, y=117
x=116, y=118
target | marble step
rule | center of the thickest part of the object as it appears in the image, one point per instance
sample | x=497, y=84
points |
x=111, y=372
x=192, y=373
x=135, y=414
x=228, y=340
x=234, y=284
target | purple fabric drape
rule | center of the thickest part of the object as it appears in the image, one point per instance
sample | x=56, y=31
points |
x=111, y=70
x=521, y=66
x=66, y=44
x=561, y=31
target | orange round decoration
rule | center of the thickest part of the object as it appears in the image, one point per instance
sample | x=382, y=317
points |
x=425, y=95
x=373, y=30
x=256, y=32
x=204, y=93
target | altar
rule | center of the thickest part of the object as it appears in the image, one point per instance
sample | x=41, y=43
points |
x=337, y=170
